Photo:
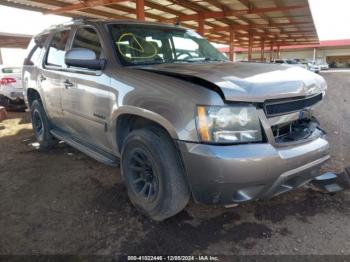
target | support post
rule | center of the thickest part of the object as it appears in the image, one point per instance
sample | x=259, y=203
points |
x=140, y=10
x=250, y=47
x=314, y=56
x=201, y=25
x=278, y=52
x=262, y=53
x=271, y=52
x=0, y=58
x=232, y=46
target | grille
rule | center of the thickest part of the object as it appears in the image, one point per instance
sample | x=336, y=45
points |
x=289, y=106
x=297, y=130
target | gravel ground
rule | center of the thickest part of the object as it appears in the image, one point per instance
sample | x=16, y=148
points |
x=63, y=202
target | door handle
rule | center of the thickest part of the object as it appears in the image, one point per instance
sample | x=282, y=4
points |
x=68, y=84
x=42, y=78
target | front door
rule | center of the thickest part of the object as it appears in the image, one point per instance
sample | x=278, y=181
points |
x=87, y=99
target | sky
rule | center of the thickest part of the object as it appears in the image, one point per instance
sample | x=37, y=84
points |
x=331, y=18
x=13, y=20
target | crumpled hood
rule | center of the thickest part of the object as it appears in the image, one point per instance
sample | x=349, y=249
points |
x=250, y=82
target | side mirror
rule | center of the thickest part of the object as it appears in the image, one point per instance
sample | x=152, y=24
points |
x=85, y=58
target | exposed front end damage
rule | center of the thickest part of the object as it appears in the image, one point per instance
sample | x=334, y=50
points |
x=294, y=145
x=290, y=157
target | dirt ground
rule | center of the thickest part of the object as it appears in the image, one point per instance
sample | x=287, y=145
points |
x=63, y=202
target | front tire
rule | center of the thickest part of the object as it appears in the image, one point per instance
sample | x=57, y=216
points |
x=153, y=173
x=41, y=126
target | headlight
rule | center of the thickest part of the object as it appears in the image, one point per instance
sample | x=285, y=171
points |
x=228, y=124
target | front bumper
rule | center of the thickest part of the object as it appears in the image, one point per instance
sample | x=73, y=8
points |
x=231, y=174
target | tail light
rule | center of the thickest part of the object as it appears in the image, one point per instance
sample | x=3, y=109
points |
x=7, y=80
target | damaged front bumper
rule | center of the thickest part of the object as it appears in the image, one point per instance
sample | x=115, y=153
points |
x=232, y=174
x=332, y=183
x=227, y=174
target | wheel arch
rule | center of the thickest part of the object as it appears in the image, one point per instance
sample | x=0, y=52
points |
x=130, y=118
x=33, y=94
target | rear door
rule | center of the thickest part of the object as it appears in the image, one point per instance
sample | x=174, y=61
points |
x=32, y=62
x=50, y=77
x=87, y=98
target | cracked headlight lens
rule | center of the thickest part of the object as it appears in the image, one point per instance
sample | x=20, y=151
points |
x=228, y=124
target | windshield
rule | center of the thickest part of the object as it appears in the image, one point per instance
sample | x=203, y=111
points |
x=145, y=44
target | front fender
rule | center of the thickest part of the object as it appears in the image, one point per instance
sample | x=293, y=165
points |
x=133, y=110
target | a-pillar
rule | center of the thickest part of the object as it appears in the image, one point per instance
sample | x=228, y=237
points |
x=140, y=10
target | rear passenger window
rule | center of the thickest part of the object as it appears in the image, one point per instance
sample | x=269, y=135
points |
x=56, y=52
x=87, y=37
x=35, y=47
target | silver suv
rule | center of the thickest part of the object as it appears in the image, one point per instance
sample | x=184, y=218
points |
x=179, y=118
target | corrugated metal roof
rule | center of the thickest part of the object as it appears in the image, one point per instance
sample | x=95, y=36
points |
x=9, y=40
x=278, y=22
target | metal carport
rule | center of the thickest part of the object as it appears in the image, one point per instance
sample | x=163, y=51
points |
x=9, y=40
x=237, y=23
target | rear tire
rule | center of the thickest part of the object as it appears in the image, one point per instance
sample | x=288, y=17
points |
x=153, y=173
x=41, y=126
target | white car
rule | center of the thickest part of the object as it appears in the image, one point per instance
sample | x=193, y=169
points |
x=290, y=62
x=11, y=89
x=323, y=66
x=314, y=67
x=309, y=65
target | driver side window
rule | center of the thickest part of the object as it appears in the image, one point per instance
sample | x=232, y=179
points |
x=185, y=48
x=56, y=52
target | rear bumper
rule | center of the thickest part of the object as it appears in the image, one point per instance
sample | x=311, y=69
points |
x=12, y=93
x=231, y=174
x=12, y=103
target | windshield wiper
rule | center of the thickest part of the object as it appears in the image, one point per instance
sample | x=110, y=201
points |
x=148, y=63
x=214, y=59
x=191, y=60
x=202, y=59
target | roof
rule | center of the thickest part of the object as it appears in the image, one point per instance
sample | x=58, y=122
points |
x=10, y=40
x=282, y=22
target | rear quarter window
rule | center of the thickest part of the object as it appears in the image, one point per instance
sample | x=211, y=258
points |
x=35, y=48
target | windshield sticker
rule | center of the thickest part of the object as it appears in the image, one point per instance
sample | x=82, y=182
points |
x=134, y=47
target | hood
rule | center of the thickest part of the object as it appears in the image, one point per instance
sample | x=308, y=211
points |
x=249, y=82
